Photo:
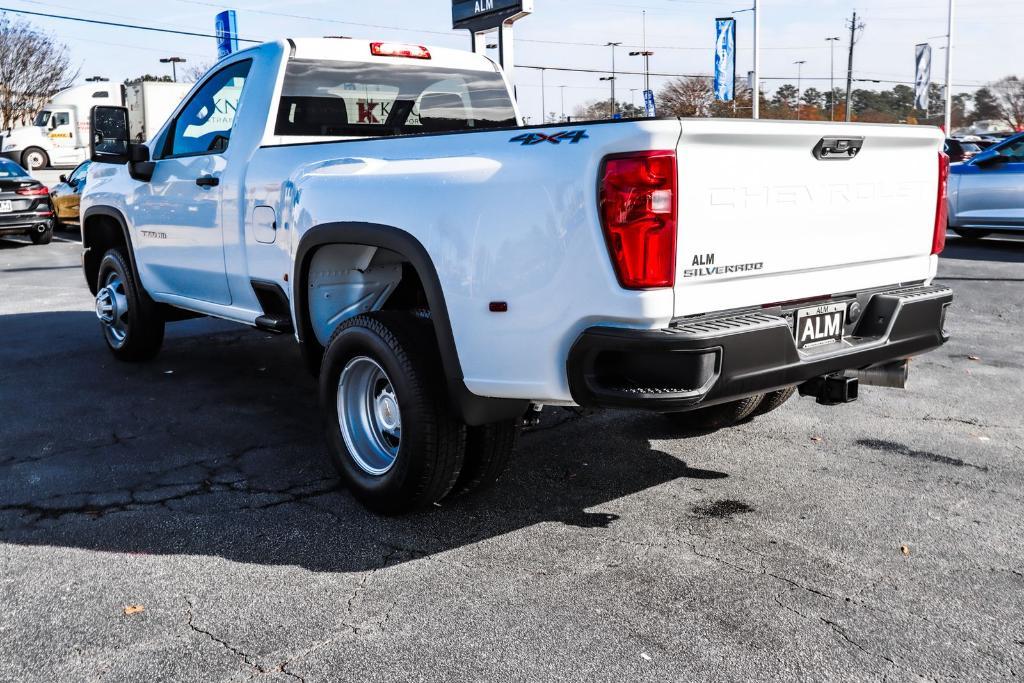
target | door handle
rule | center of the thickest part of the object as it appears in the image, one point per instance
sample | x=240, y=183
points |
x=207, y=181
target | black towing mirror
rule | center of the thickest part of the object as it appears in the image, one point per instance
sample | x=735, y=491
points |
x=111, y=142
x=110, y=139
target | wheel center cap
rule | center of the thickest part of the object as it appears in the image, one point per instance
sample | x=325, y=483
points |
x=387, y=412
x=106, y=307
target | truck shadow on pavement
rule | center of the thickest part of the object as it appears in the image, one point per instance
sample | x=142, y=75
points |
x=993, y=249
x=216, y=448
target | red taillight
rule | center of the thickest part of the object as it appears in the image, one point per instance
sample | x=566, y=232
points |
x=38, y=191
x=399, y=50
x=941, y=207
x=638, y=214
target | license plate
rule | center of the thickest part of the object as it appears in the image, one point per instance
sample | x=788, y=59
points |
x=6, y=206
x=819, y=325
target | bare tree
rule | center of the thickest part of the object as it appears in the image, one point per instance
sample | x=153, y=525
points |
x=33, y=67
x=686, y=96
x=1009, y=93
x=196, y=71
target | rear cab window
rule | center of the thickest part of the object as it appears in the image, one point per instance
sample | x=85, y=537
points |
x=334, y=99
x=9, y=169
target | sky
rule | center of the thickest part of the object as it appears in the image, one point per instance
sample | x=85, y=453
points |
x=573, y=33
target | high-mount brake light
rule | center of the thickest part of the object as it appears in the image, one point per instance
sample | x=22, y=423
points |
x=37, y=191
x=941, y=207
x=638, y=210
x=399, y=50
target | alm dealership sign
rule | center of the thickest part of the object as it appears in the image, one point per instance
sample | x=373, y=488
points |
x=482, y=14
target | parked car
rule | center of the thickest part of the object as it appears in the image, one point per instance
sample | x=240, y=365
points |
x=66, y=197
x=986, y=194
x=25, y=207
x=447, y=271
x=960, y=150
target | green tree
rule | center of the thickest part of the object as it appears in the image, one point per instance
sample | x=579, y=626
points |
x=986, y=106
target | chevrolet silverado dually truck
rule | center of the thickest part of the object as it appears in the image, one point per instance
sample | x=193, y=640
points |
x=446, y=270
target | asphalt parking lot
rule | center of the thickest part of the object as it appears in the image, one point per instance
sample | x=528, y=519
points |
x=178, y=520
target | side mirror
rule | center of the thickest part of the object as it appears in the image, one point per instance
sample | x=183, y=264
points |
x=110, y=139
x=63, y=178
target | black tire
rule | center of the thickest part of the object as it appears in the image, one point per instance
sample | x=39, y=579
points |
x=34, y=152
x=716, y=417
x=44, y=237
x=431, y=445
x=972, y=233
x=488, y=451
x=143, y=326
x=773, y=400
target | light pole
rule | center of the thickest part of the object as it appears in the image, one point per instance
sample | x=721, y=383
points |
x=611, y=103
x=543, y=100
x=174, y=62
x=799, y=85
x=612, y=79
x=949, y=71
x=756, y=84
x=646, y=54
x=562, y=88
x=832, y=77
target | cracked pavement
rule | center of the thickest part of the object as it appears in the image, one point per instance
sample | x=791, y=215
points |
x=876, y=541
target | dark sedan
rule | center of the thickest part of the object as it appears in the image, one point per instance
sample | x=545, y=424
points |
x=25, y=207
x=958, y=150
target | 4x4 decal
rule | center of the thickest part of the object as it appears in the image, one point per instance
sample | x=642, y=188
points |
x=571, y=136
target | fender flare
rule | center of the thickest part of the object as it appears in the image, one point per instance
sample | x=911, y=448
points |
x=473, y=409
x=118, y=217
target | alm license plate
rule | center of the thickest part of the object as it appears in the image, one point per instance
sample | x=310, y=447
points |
x=6, y=206
x=819, y=325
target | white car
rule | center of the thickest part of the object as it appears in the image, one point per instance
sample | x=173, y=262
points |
x=445, y=269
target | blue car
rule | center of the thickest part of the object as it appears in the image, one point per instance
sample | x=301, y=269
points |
x=986, y=193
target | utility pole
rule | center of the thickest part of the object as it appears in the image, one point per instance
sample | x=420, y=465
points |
x=854, y=27
x=174, y=62
x=562, y=88
x=949, y=71
x=832, y=76
x=799, y=85
x=612, y=106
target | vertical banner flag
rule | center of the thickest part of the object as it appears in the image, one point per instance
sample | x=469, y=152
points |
x=652, y=110
x=725, y=59
x=922, y=74
x=226, y=30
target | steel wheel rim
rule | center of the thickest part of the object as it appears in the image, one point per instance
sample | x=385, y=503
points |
x=112, y=309
x=35, y=160
x=369, y=416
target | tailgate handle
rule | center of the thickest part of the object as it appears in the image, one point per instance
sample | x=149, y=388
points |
x=837, y=149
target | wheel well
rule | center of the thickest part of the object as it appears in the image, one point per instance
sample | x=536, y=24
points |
x=345, y=280
x=99, y=234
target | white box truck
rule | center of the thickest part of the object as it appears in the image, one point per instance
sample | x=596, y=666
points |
x=59, y=134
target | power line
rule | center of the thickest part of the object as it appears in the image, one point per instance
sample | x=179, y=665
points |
x=117, y=24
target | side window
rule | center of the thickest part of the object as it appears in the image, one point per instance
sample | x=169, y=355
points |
x=80, y=173
x=60, y=118
x=204, y=125
x=1014, y=150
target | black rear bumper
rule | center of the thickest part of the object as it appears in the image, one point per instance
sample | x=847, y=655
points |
x=712, y=360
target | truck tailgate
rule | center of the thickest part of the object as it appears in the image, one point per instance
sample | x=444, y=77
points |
x=763, y=220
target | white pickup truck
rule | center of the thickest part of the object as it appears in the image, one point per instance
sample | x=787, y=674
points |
x=447, y=270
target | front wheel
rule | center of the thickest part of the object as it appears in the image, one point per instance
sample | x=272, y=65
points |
x=389, y=428
x=132, y=327
x=34, y=158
